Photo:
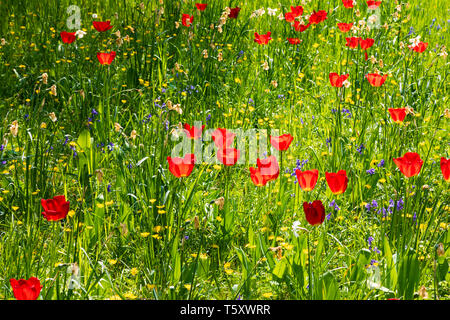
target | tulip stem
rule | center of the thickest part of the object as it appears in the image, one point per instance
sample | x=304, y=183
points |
x=309, y=270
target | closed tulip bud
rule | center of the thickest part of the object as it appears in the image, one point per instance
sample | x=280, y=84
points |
x=44, y=78
x=99, y=174
x=117, y=127
x=53, y=116
x=14, y=128
x=220, y=202
x=440, y=250
x=53, y=90
x=423, y=292
x=447, y=113
x=196, y=223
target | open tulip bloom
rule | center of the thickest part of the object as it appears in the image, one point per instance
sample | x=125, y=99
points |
x=234, y=12
x=187, y=20
x=445, y=168
x=68, y=37
x=222, y=138
x=282, y=142
x=420, y=47
x=345, y=27
x=258, y=179
x=375, y=79
x=181, y=167
x=102, y=26
x=269, y=167
x=267, y=170
x=201, y=6
x=397, y=115
x=55, y=209
x=262, y=38
x=228, y=156
x=193, y=132
x=337, y=80
x=337, y=182
x=106, y=58
x=410, y=164
x=307, y=179
x=26, y=289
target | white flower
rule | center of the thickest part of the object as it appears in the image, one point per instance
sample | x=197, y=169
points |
x=80, y=34
x=296, y=228
x=373, y=18
x=281, y=16
x=94, y=15
x=415, y=41
x=346, y=83
x=271, y=12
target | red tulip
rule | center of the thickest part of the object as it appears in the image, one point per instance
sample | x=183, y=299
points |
x=410, y=164
x=445, y=168
x=294, y=40
x=181, y=167
x=193, y=132
x=317, y=17
x=352, y=42
x=337, y=80
x=67, y=37
x=106, y=58
x=314, y=212
x=345, y=27
x=26, y=289
x=263, y=38
x=337, y=181
x=282, y=142
x=297, y=11
x=300, y=27
x=258, y=179
x=289, y=17
x=228, y=156
x=222, y=138
x=347, y=3
x=234, y=13
x=366, y=43
x=307, y=179
x=201, y=6
x=102, y=26
x=187, y=20
x=398, y=115
x=373, y=4
x=420, y=47
x=375, y=79
x=269, y=168
x=55, y=209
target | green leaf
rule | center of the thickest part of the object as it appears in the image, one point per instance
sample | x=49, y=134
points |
x=84, y=140
x=279, y=269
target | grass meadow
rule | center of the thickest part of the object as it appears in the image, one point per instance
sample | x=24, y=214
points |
x=98, y=130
